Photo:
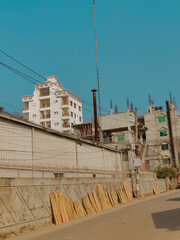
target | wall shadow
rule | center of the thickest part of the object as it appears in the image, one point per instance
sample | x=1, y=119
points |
x=173, y=199
x=168, y=219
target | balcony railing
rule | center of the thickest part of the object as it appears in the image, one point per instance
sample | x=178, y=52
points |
x=45, y=116
x=65, y=114
x=65, y=103
x=44, y=105
x=66, y=125
x=26, y=118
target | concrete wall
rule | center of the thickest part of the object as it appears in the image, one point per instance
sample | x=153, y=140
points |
x=26, y=203
x=39, y=152
x=154, y=140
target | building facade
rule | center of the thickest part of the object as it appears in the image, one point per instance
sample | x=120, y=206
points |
x=158, y=141
x=53, y=106
x=153, y=145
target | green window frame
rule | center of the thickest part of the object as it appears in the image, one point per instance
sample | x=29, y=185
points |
x=163, y=133
x=162, y=119
x=120, y=138
x=166, y=161
x=164, y=147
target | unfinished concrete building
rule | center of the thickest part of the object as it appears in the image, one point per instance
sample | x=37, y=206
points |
x=157, y=142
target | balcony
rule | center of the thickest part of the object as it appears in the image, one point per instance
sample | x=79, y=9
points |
x=27, y=98
x=25, y=108
x=65, y=102
x=66, y=125
x=44, y=92
x=65, y=115
x=45, y=116
x=26, y=116
x=44, y=105
x=66, y=129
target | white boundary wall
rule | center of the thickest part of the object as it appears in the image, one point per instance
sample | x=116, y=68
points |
x=29, y=150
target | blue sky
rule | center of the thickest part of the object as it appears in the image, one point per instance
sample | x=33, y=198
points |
x=138, y=47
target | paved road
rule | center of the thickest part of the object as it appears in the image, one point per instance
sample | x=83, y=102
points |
x=155, y=218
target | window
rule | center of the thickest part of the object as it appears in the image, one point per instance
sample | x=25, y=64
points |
x=162, y=119
x=163, y=133
x=71, y=114
x=48, y=124
x=34, y=115
x=71, y=103
x=74, y=105
x=80, y=119
x=56, y=124
x=125, y=156
x=74, y=115
x=79, y=108
x=164, y=147
x=55, y=113
x=166, y=161
x=55, y=101
x=58, y=175
x=120, y=138
x=43, y=124
x=44, y=92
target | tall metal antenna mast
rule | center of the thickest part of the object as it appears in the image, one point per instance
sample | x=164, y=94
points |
x=97, y=57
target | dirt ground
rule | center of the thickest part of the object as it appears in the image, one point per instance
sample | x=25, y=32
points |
x=151, y=218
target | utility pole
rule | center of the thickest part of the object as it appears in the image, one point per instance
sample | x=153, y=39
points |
x=95, y=114
x=136, y=127
x=97, y=57
x=137, y=161
x=170, y=134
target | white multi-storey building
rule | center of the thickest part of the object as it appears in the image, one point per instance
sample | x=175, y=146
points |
x=53, y=106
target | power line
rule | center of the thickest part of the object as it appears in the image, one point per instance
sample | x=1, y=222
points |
x=22, y=64
x=105, y=110
x=10, y=105
x=18, y=73
x=30, y=79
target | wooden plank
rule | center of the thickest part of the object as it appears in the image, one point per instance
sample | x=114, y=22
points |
x=111, y=199
x=69, y=211
x=54, y=207
x=107, y=200
x=93, y=203
x=72, y=211
x=75, y=204
x=119, y=196
x=58, y=209
x=125, y=194
x=81, y=210
x=114, y=197
x=88, y=205
x=156, y=191
x=128, y=190
x=141, y=194
x=122, y=195
x=62, y=207
x=102, y=197
x=98, y=204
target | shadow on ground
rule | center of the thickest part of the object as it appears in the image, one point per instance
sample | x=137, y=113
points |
x=168, y=219
x=173, y=199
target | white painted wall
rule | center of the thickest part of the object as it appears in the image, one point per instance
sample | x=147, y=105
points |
x=32, y=148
